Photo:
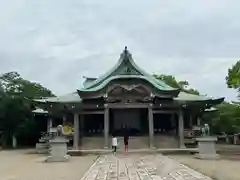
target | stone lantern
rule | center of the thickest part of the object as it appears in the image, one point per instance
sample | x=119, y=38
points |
x=58, y=147
x=206, y=145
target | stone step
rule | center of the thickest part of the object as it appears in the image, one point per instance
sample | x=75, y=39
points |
x=98, y=142
x=165, y=141
x=135, y=142
x=92, y=143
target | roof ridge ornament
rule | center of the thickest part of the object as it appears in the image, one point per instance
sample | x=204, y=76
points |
x=126, y=53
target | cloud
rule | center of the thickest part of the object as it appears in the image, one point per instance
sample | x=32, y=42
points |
x=57, y=42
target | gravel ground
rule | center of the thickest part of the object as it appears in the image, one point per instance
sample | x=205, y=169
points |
x=21, y=165
x=227, y=168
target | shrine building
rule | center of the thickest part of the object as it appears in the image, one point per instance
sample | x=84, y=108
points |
x=127, y=98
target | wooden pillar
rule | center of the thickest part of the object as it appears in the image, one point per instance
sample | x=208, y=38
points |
x=49, y=124
x=64, y=119
x=190, y=121
x=151, y=126
x=76, y=131
x=106, y=125
x=198, y=121
x=181, y=129
x=82, y=124
x=173, y=123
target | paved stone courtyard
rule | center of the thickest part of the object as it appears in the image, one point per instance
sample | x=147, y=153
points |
x=226, y=168
x=26, y=165
x=150, y=167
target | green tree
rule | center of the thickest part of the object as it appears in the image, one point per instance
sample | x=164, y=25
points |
x=233, y=77
x=15, y=107
x=229, y=113
x=226, y=119
x=14, y=85
x=13, y=113
x=171, y=81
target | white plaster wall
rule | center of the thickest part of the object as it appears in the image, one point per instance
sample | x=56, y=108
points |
x=126, y=117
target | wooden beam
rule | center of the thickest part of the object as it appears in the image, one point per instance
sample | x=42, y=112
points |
x=126, y=106
x=92, y=112
x=164, y=111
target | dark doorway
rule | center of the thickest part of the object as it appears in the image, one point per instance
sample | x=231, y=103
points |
x=164, y=124
x=93, y=124
x=132, y=120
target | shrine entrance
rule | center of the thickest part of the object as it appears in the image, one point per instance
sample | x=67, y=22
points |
x=133, y=120
x=165, y=123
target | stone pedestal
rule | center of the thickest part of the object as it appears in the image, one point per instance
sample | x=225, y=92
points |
x=43, y=146
x=58, y=150
x=206, y=147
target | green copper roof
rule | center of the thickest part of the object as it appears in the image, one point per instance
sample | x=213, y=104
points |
x=68, y=98
x=183, y=96
x=125, y=68
x=74, y=98
x=88, y=81
x=108, y=80
x=188, y=98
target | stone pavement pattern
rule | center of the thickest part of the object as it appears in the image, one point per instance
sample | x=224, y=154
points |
x=151, y=167
x=226, y=168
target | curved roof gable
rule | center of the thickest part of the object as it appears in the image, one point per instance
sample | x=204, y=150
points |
x=126, y=67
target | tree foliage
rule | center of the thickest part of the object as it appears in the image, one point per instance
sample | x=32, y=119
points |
x=171, y=81
x=15, y=107
x=226, y=119
x=233, y=77
x=14, y=85
x=13, y=112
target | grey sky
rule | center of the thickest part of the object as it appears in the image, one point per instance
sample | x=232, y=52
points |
x=56, y=42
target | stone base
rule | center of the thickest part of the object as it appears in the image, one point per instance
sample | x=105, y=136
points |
x=42, y=151
x=152, y=147
x=207, y=156
x=42, y=148
x=206, y=147
x=182, y=146
x=58, y=159
x=58, y=150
